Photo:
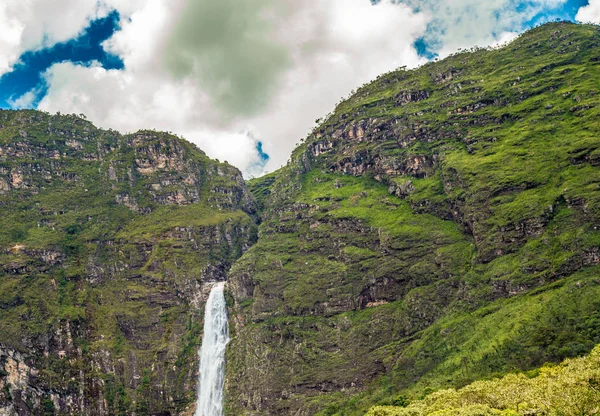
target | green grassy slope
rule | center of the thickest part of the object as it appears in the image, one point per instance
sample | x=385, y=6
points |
x=439, y=227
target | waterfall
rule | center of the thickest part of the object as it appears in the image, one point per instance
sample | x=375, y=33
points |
x=211, y=379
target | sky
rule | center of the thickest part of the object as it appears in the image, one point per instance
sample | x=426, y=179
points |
x=244, y=80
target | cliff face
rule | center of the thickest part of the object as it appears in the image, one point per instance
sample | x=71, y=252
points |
x=108, y=244
x=440, y=226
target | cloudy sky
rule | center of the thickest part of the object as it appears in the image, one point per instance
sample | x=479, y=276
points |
x=243, y=79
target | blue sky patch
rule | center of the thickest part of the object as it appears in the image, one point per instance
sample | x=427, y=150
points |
x=264, y=158
x=27, y=74
x=424, y=49
x=257, y=168
x=566, y=11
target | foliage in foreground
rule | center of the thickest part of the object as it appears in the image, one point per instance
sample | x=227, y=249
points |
x=571, y=388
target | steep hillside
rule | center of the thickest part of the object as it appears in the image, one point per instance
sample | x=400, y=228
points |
x=106, y=243
x=439, y=227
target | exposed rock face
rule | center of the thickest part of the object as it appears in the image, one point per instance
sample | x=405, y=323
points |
x=411, y=97
x=108, y=247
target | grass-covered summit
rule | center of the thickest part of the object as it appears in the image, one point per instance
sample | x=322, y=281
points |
x=439, y=227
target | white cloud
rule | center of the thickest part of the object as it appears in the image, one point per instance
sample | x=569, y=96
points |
x=24, y=101
x=589, y=13
x=34, y=24
x=266, y=66
x=237, y=148
x=10, y=37
x=50, y=22
x=466, y=23
x=143, y=30
x=503, y=39
x=332, y=45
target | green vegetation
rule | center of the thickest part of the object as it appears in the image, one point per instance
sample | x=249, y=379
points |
x=105, y=242
x=261, y=189
x=571, y=388
x=438, y=228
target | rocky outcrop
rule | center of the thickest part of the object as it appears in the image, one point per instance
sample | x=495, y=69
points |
x=411, y=97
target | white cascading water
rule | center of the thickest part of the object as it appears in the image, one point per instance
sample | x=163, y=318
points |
x=211, y=379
